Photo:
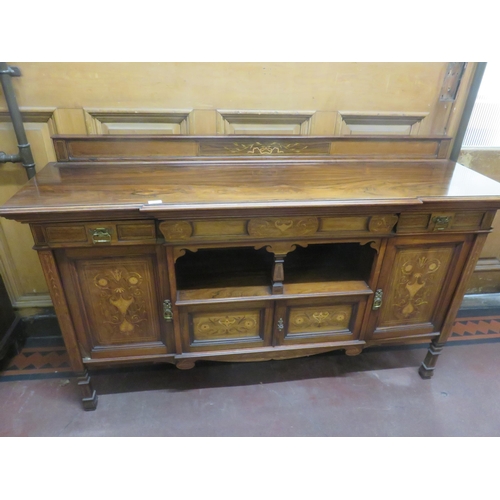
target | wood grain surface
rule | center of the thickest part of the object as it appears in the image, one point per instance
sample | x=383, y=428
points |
x=96, y=188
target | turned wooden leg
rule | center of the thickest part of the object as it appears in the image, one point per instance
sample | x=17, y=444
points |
x=426, y=369
x=89, y=399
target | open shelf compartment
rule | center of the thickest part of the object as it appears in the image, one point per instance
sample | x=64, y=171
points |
x=243, y=273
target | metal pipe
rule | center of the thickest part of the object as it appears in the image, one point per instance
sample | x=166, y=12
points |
x=25, y=155
x=469, y=106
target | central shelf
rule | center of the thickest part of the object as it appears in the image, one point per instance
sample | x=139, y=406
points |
x=294, y=290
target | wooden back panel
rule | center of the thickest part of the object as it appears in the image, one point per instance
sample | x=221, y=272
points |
x=125, y=148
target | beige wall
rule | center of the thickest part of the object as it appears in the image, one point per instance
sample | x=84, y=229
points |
x=486, y=279
x=208, y=98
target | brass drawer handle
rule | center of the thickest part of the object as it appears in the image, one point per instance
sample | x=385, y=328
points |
x=100, y=235
x=441, y=222
x=167, y=310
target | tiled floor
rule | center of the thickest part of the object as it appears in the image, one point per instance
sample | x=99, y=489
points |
x=378, y=393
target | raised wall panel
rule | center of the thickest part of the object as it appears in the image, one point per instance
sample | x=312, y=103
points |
x=248, y=122
x=146, y=122
x=384, y=123
x=19, y=264
x=486, y=277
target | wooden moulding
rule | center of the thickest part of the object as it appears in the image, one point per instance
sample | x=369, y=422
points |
x=123, y=147
x=187, y=360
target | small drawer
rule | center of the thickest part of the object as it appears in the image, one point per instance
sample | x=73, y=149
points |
x=331, y=319
x=443, y=221
x=94, y=233
x=222, y=326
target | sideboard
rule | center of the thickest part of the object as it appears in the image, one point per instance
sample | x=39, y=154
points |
x=238, y=248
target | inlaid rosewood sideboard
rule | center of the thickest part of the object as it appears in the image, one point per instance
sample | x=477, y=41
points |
x=241, y=248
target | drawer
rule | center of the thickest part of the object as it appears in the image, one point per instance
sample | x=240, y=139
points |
x=331, y=319
x=444, y=221
x=223, y=326
x=277, y=227
x=94, y=233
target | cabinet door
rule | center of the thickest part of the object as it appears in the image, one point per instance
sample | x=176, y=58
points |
x=418, y=279
x=330, y=319
x=115, y=296
x=222, y=326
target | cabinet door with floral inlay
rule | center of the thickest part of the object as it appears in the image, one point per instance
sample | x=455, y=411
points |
x=222, y=326
x=327, y=319
x=116, y=297
x=416, y=285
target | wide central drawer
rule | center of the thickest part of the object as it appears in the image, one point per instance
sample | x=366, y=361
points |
x=241, y=229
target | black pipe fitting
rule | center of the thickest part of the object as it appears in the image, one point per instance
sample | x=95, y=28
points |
x=25, y=155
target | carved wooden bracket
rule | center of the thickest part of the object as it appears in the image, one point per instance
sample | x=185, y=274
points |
x=180, y=251
x=375, y=244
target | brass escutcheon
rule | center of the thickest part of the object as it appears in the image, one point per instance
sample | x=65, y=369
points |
x=377, y=301
x=167, y=310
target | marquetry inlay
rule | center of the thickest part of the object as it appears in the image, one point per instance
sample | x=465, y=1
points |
x=319, y=319
x=417, y=280
x=174, y=231
x=382, y=223
x=283, y=227
x=221, y=326
x=121, y=290
x=268, y=148
x=121, y=300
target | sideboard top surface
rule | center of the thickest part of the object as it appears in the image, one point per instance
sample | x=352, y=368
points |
x=171, y=186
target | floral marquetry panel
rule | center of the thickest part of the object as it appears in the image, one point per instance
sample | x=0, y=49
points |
x=319, y=319
x=415, y=286
x=225, y=326
x=120, y=299
x=326, y=319
x=209, y=327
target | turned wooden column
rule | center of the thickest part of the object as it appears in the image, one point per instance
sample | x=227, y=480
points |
x=426, y=369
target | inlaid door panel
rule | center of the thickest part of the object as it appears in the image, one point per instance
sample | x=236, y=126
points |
x=116, y=299
x=299, y=321
x=417, y=282
x=212, y=327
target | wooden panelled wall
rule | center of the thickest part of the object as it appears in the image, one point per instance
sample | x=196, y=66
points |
x=486, y=278
x=208, y=99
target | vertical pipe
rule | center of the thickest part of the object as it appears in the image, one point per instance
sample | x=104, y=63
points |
x=25, y=155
